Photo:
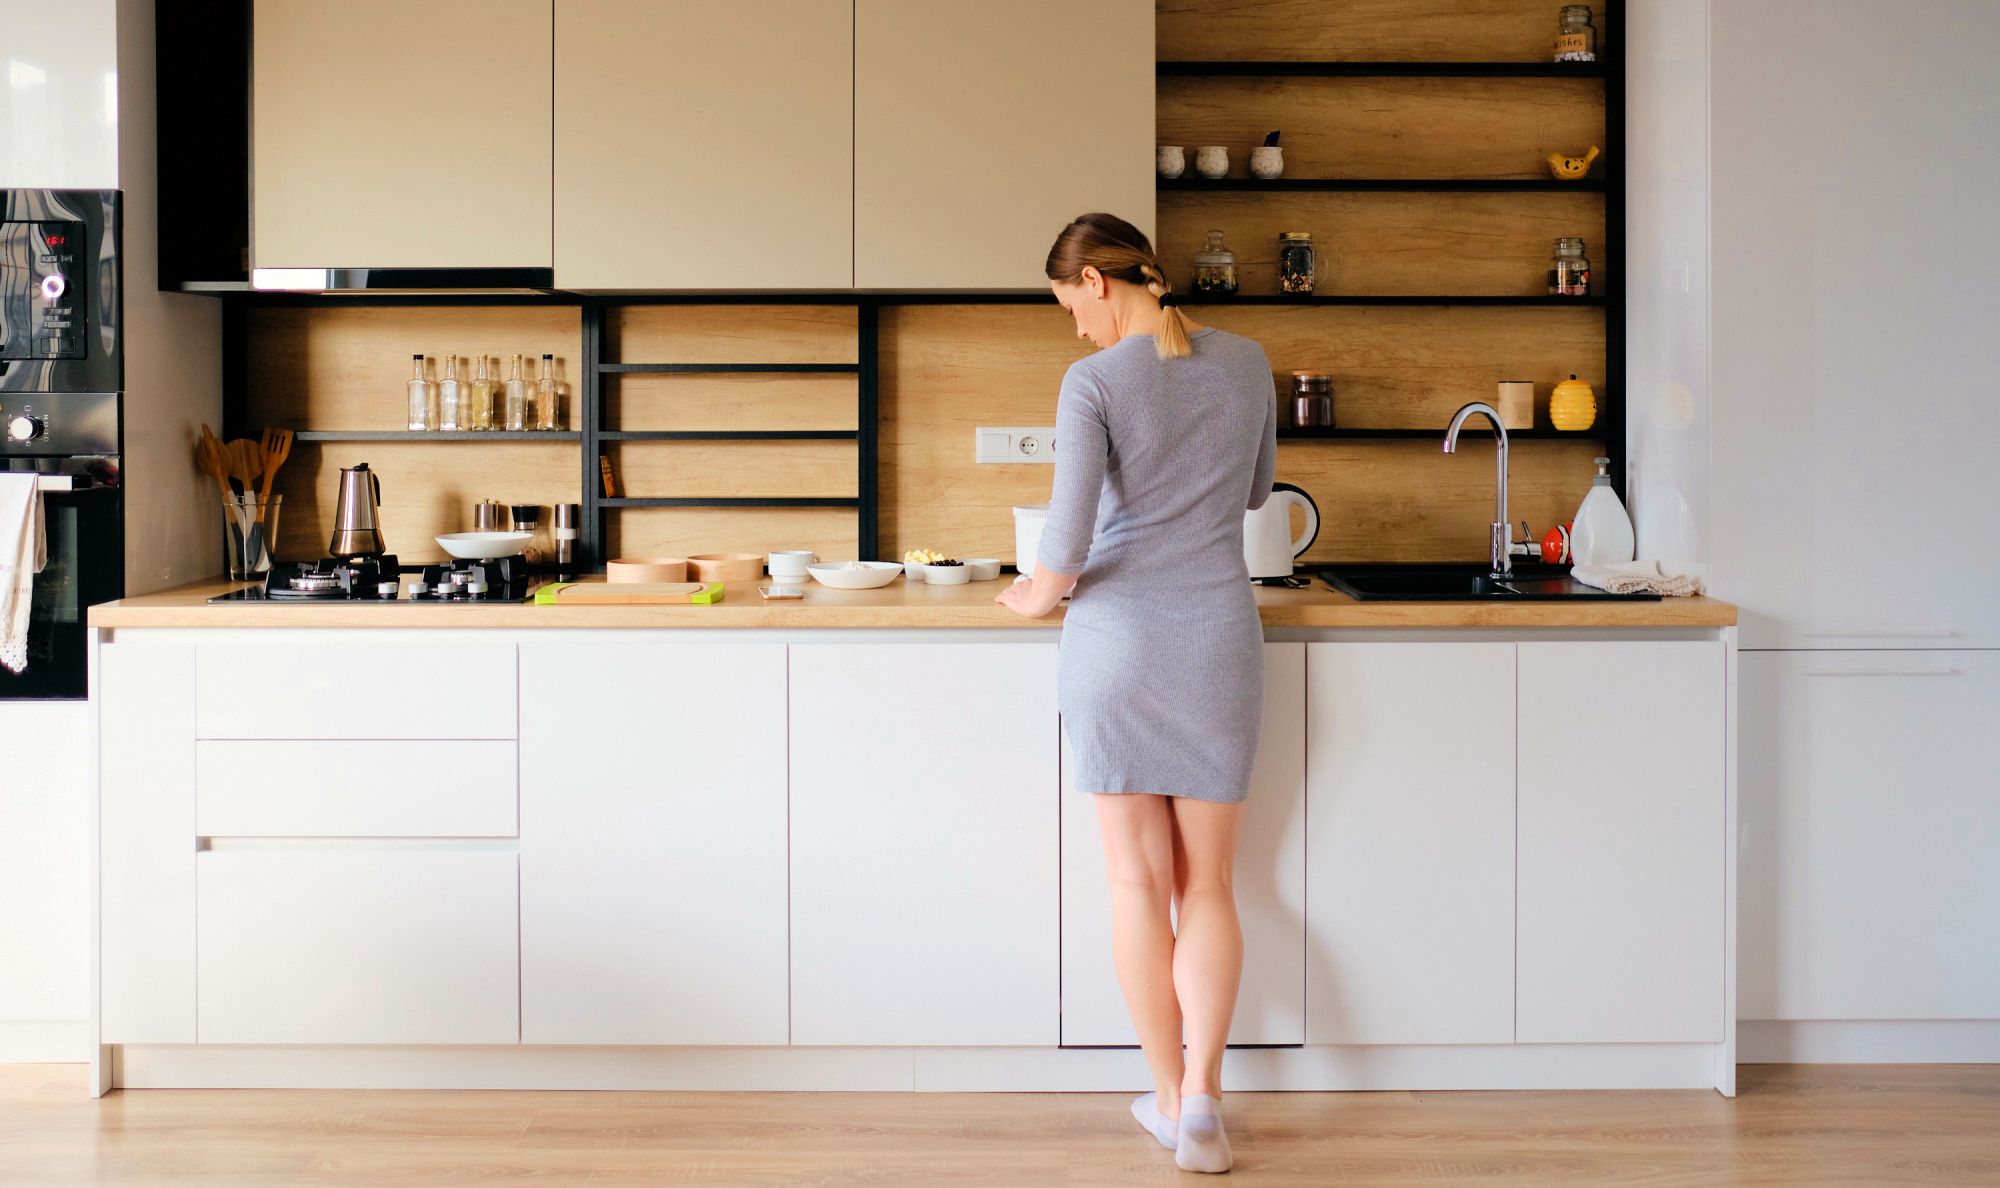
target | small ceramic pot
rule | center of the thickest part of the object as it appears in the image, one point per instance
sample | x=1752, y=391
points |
x=1212, y=161
x=1170, y=160
x=1267, y=161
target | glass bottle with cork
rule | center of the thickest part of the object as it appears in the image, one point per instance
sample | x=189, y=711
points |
x=517, y=399
x=451, y=396
x=548, y=413
x=423, y=397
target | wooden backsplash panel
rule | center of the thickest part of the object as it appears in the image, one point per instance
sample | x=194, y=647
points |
x=678, y=531
x=735, y=469
x=428, y=488
x=1388, y=127
x=1378, y=244
x=333, y=366
x=1411, y=367
x=731, y=334
x=1358, y=30
x=729, y=402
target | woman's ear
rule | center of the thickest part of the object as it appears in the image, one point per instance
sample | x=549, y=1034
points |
x=1093, y=280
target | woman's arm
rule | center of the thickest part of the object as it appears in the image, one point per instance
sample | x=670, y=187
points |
x=1083, y=452
x=1267, y=454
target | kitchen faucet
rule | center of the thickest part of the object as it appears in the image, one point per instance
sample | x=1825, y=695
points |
x=1503, y=532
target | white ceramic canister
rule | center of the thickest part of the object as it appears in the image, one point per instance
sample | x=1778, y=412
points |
x=1267, y=161
x=1212, y=161
x=1028, y=521
x=1170, y=160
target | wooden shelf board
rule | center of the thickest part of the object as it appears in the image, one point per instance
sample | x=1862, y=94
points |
x=1387, y=185
x=1280, y=69
x=434, y=435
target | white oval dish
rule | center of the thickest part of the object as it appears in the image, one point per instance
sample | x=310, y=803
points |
x=483, y=546
x=836, y=577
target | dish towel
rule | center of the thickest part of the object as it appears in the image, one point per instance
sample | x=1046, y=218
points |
x=23, y=552
x=1636, y=577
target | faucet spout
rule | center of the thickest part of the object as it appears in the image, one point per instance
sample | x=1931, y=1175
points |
x=1503, y=531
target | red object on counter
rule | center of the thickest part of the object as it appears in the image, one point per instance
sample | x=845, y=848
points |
x=1555, y=546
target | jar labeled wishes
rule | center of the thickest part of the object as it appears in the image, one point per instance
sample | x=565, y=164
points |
x=1576, y=37
x=1569, y=271
x=1215, y=268
x=1295, y=261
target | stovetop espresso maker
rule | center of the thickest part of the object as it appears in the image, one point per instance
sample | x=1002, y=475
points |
x=357, y=514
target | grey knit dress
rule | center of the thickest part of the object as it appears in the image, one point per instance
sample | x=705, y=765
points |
x=1161, y=675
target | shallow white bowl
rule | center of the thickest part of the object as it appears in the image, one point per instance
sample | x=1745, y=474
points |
x=878, y=573
x=947, y=575
x=483, y=546
x=984, y=569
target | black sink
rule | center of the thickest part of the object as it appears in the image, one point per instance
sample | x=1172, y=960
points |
x=1467, y=581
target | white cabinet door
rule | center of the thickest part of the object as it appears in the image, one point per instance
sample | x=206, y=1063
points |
x=981, y=129
x=1410, y=761
x=328, y=944
x=1270, y=886
x=924, y=839
x=653, y=843
x=704, y=145
x=1620, y=895
x=1870, y=824
x=400, y=134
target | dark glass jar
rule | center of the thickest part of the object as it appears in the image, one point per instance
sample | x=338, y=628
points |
x=1295, y=261
x=1312, y=400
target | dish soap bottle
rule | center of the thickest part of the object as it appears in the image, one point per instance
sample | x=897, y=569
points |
x=1602, y=534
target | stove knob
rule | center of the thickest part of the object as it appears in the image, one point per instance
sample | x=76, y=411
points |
x=418, y=589
x=475, y=589
x=24, y=428
x=385, y=589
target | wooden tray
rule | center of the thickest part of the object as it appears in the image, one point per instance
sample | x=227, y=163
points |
x=628, y=593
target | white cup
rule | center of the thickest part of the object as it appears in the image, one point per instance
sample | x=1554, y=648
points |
x=1212, y=161
x=1170, y=160
x=1267, y=161
x=790, y=563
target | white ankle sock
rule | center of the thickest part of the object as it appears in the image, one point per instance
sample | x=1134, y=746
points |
x=1202, y=1146
x=1147, y=1110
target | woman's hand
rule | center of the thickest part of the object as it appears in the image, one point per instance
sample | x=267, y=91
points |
x=1034, y=597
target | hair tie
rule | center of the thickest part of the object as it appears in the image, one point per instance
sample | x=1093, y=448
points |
x=1168, y=300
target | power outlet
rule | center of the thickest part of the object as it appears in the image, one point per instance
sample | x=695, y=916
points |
x=1032, y=443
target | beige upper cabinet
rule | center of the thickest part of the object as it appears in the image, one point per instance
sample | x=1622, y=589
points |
x=704, y=144
x=401, y=134
x=981, y=128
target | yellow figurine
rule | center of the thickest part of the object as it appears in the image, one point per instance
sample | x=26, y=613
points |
x=1568, y=168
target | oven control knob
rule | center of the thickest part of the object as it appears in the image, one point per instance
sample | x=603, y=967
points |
x=24, y=428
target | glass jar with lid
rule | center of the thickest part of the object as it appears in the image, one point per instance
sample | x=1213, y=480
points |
x=1295, y=261
x=1569, y=271
x=1576, y=37
x=1215, y=268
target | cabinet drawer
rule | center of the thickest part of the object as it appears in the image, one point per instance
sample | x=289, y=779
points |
x=354, y=690
x=339, y=945
x=340, y=788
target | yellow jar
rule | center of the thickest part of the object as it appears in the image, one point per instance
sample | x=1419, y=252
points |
x=1572, y=405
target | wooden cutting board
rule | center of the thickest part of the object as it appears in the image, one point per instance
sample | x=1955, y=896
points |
x=628, y=593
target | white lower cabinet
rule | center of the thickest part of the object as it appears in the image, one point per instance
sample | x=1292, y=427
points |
x=1620, y=895
x=924, y=844
x=330, y=943
x=1411, y=808
x=1870, y=823
x=1270, y=887
x=653, y=843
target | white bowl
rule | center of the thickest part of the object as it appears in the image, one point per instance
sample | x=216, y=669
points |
x=984, y=569
x=947, y=575
x=878, y=573
x=483, y=546
x=914, y=570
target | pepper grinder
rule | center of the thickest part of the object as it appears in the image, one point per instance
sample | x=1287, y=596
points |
x=528, y=519
x=568, y=515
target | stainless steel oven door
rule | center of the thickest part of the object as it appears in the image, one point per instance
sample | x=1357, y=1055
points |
x=81, y=570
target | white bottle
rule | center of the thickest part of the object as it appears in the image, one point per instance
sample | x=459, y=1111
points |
x=1602, y=533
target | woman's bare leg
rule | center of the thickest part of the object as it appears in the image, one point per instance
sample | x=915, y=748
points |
x=1139, y=861
x=1208, y=947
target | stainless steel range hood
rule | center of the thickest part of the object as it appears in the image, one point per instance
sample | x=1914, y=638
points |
x=403, y=280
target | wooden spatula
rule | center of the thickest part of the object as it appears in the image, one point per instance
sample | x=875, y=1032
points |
x=273, y=450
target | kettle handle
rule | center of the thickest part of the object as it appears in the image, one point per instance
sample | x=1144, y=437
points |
x=376, y=485
x=1297, y=495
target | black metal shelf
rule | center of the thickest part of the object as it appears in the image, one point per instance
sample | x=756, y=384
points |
x=731, y=368
x=728, y=435
x=419, y=435
x=1339, y=433
x=1365, y=185
x=1267, y=69
x=1503, y=300
x=626, y=501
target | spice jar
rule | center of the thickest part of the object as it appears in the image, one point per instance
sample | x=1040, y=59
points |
x=1576, y=37
x=1569, y=272
x=1215, y=268
x=1312, y=400
x=1295, y=261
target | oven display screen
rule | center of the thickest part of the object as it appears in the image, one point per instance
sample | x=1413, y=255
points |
x=42, y=307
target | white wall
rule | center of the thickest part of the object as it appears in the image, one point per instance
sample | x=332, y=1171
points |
x=58, y=95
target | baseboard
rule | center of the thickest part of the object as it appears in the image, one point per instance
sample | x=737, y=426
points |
x=1868, y=1041
x=44, y=1041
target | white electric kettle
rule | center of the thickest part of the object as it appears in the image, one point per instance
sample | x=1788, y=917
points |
x=1268, y=543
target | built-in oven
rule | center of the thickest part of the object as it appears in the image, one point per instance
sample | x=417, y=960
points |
x=62, y=377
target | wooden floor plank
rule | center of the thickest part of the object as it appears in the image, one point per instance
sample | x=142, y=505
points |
x=1791, y=1125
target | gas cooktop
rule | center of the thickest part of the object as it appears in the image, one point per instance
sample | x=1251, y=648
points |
x=382, y=579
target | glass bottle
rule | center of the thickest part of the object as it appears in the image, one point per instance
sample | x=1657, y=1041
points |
x=423, y=397
x=479, y=403
x=451, y=396
x=562, y=397
x=516, y=398
x=1295, y=261
x=547, y=414
x=1569, y=271
x=1215, y=268
x=1576, y=37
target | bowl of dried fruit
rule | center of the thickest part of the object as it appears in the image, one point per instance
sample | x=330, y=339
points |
x=948, y=572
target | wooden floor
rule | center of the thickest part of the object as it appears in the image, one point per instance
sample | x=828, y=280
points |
x=1791, y=1124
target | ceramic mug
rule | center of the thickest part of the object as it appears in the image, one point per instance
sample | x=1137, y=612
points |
x=1267, y=161
x=1211, y=161
x=1170, y=160
x=790, y=563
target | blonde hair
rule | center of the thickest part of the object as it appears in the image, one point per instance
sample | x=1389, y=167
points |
x=1120, y=252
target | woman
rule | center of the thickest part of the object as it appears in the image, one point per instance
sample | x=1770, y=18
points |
x=1163, y=439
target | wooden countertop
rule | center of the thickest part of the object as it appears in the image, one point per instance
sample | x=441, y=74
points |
x=899, y=604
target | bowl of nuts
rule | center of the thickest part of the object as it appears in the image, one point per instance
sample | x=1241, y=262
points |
x=948, y=572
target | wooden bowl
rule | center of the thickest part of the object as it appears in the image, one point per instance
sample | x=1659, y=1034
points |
x=726, y=567
x=650, y=570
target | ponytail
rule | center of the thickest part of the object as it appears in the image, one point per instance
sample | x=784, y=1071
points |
x=1119, y=251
